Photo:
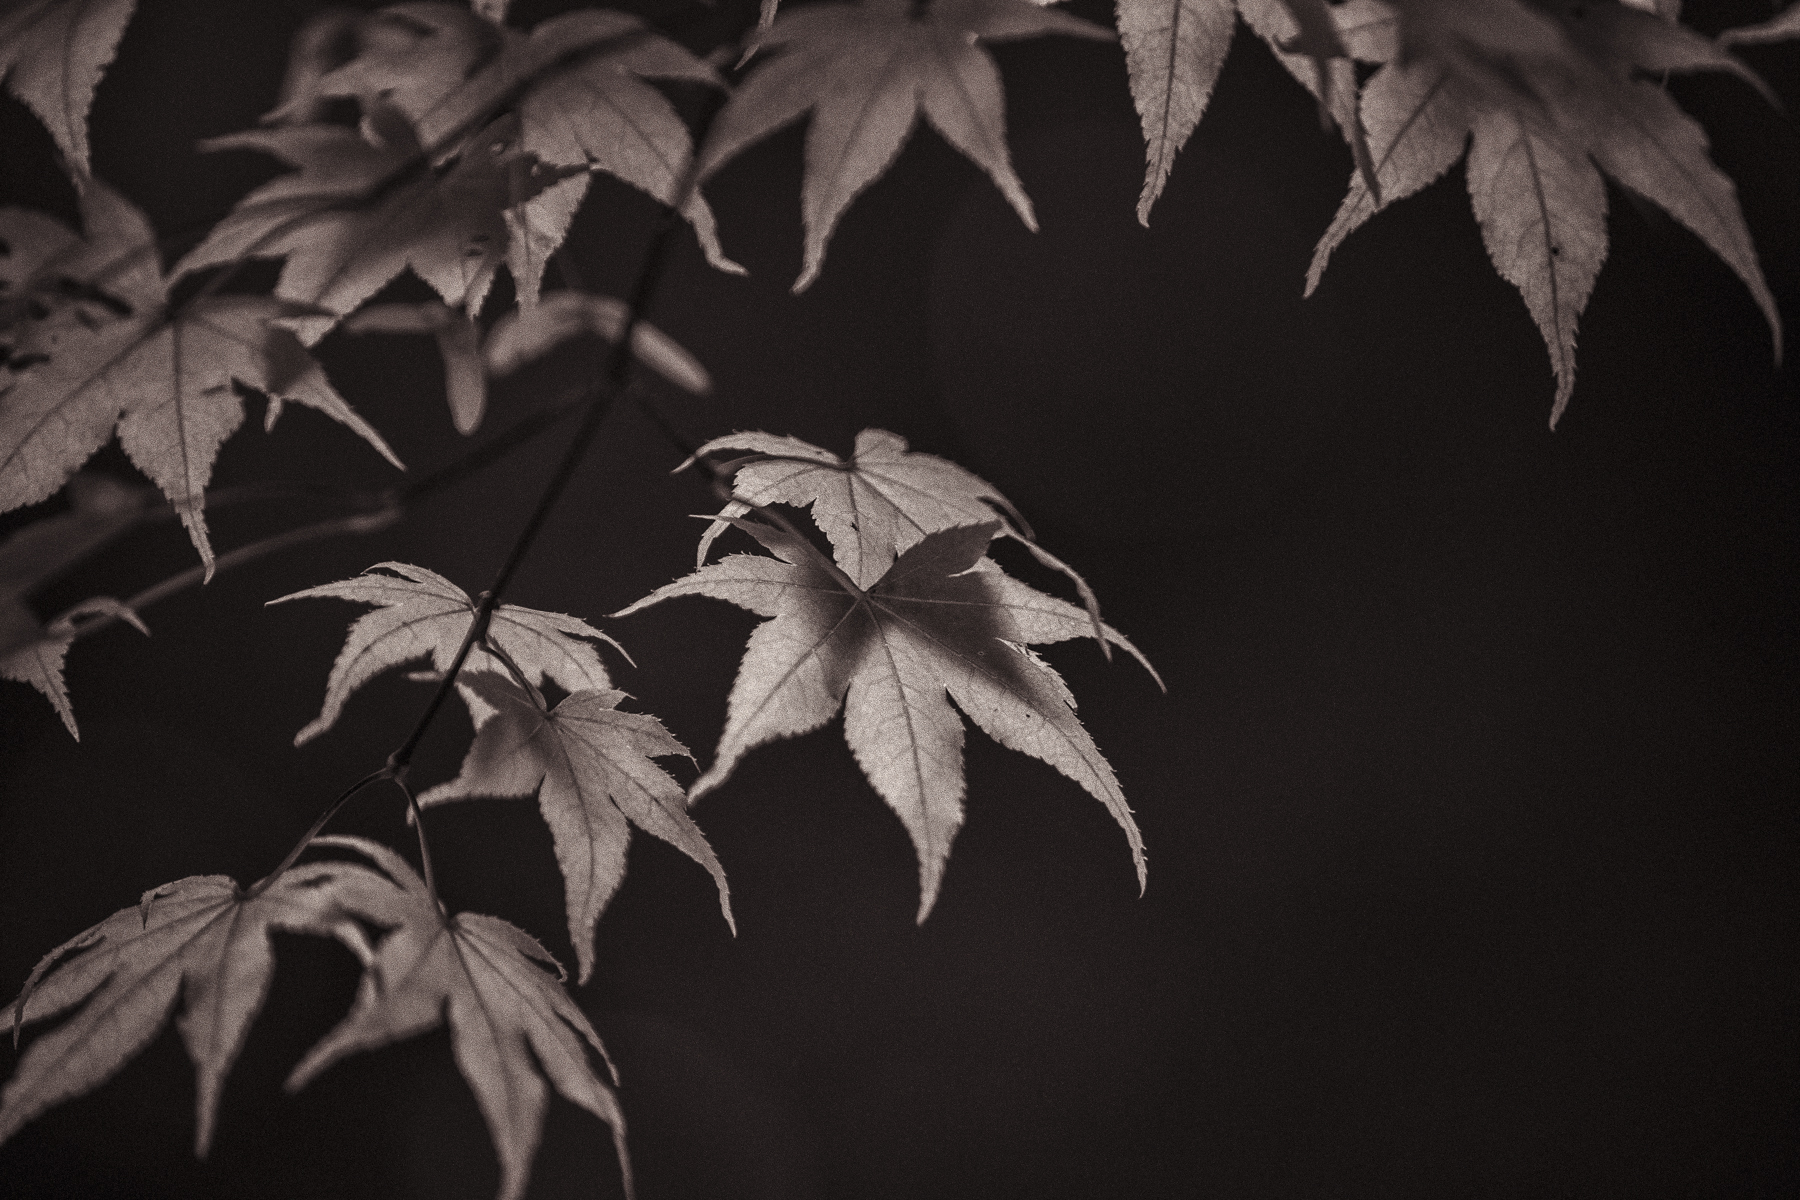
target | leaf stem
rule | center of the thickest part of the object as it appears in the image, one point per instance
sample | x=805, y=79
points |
x=262, y=885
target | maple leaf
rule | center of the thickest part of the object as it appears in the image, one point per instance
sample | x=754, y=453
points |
x=1174, y=50
x=521, y=336
x=884, y=499
x=591, y=768
x=582, y=104
x=941, y=623
x=421, y=614
x=202, y=941
x=880, y=501
x=122, y=357
x=458, y=342
x=52, y=55
x=1547, y=99
x=360, y=211
x=31, y=652
x=866, y=72
x=508, y=1019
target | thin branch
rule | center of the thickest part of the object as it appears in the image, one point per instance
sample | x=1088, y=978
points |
x=262, y=885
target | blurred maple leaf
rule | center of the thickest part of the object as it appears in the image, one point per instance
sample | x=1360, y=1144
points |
x=1547, y=97
x=52, y=55
x=112, y=352
x=866, y=72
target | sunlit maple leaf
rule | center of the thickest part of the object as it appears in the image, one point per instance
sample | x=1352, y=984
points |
x=200, y=941
x=581, y=102
x=361, y=209
x=942, y=623
x=514, y=1031
x=866, y=72
x=420, y=614
x=874, y=505
x=1174, y=50
x=122, y=357
x=52, y=55
x=591, y=768
x=1547, y=99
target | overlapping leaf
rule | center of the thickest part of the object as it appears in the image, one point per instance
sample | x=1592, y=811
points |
x=1174, y=50
x=866, y=72
x=514, y=1031
x=1550, y=98
x=941, y=623
x=582, y=101
x=420, y=614
x=121, y=357
x=201, y=942
x=33, y=652
x=591, y=767
x=52, y=55
x=361, y=209
x=1783, y=26
x=872, y=507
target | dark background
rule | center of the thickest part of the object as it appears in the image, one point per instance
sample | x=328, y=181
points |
x=1470, y=809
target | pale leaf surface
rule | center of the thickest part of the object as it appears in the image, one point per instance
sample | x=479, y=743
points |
x=199, y=942
x=1173, y=52
x=591, y=767
x=866, y=72
x=939, y=625
x=361, y=209
x=52, y=56
x=420, y=614
x=514, y=1031
x=1544, y=94
x=162, y=377
x=438, y=62
x=872, y=506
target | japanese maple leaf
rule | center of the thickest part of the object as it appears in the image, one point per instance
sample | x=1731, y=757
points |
x=161, y=374
x=884, y=499
x=202, y=941
x=1547, y=99
x=32, y=652
x=581, y=102
x=361, y=209
x=52, y=55
x=512, y=1025
x=866, y=72
x=873, y=506
x=591, y=768
x=421, y=614
x=941, y=623
x=1174, y=50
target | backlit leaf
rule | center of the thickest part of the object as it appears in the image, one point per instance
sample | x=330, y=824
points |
x=590, y=766
x=942, y=623
x=420, y=614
